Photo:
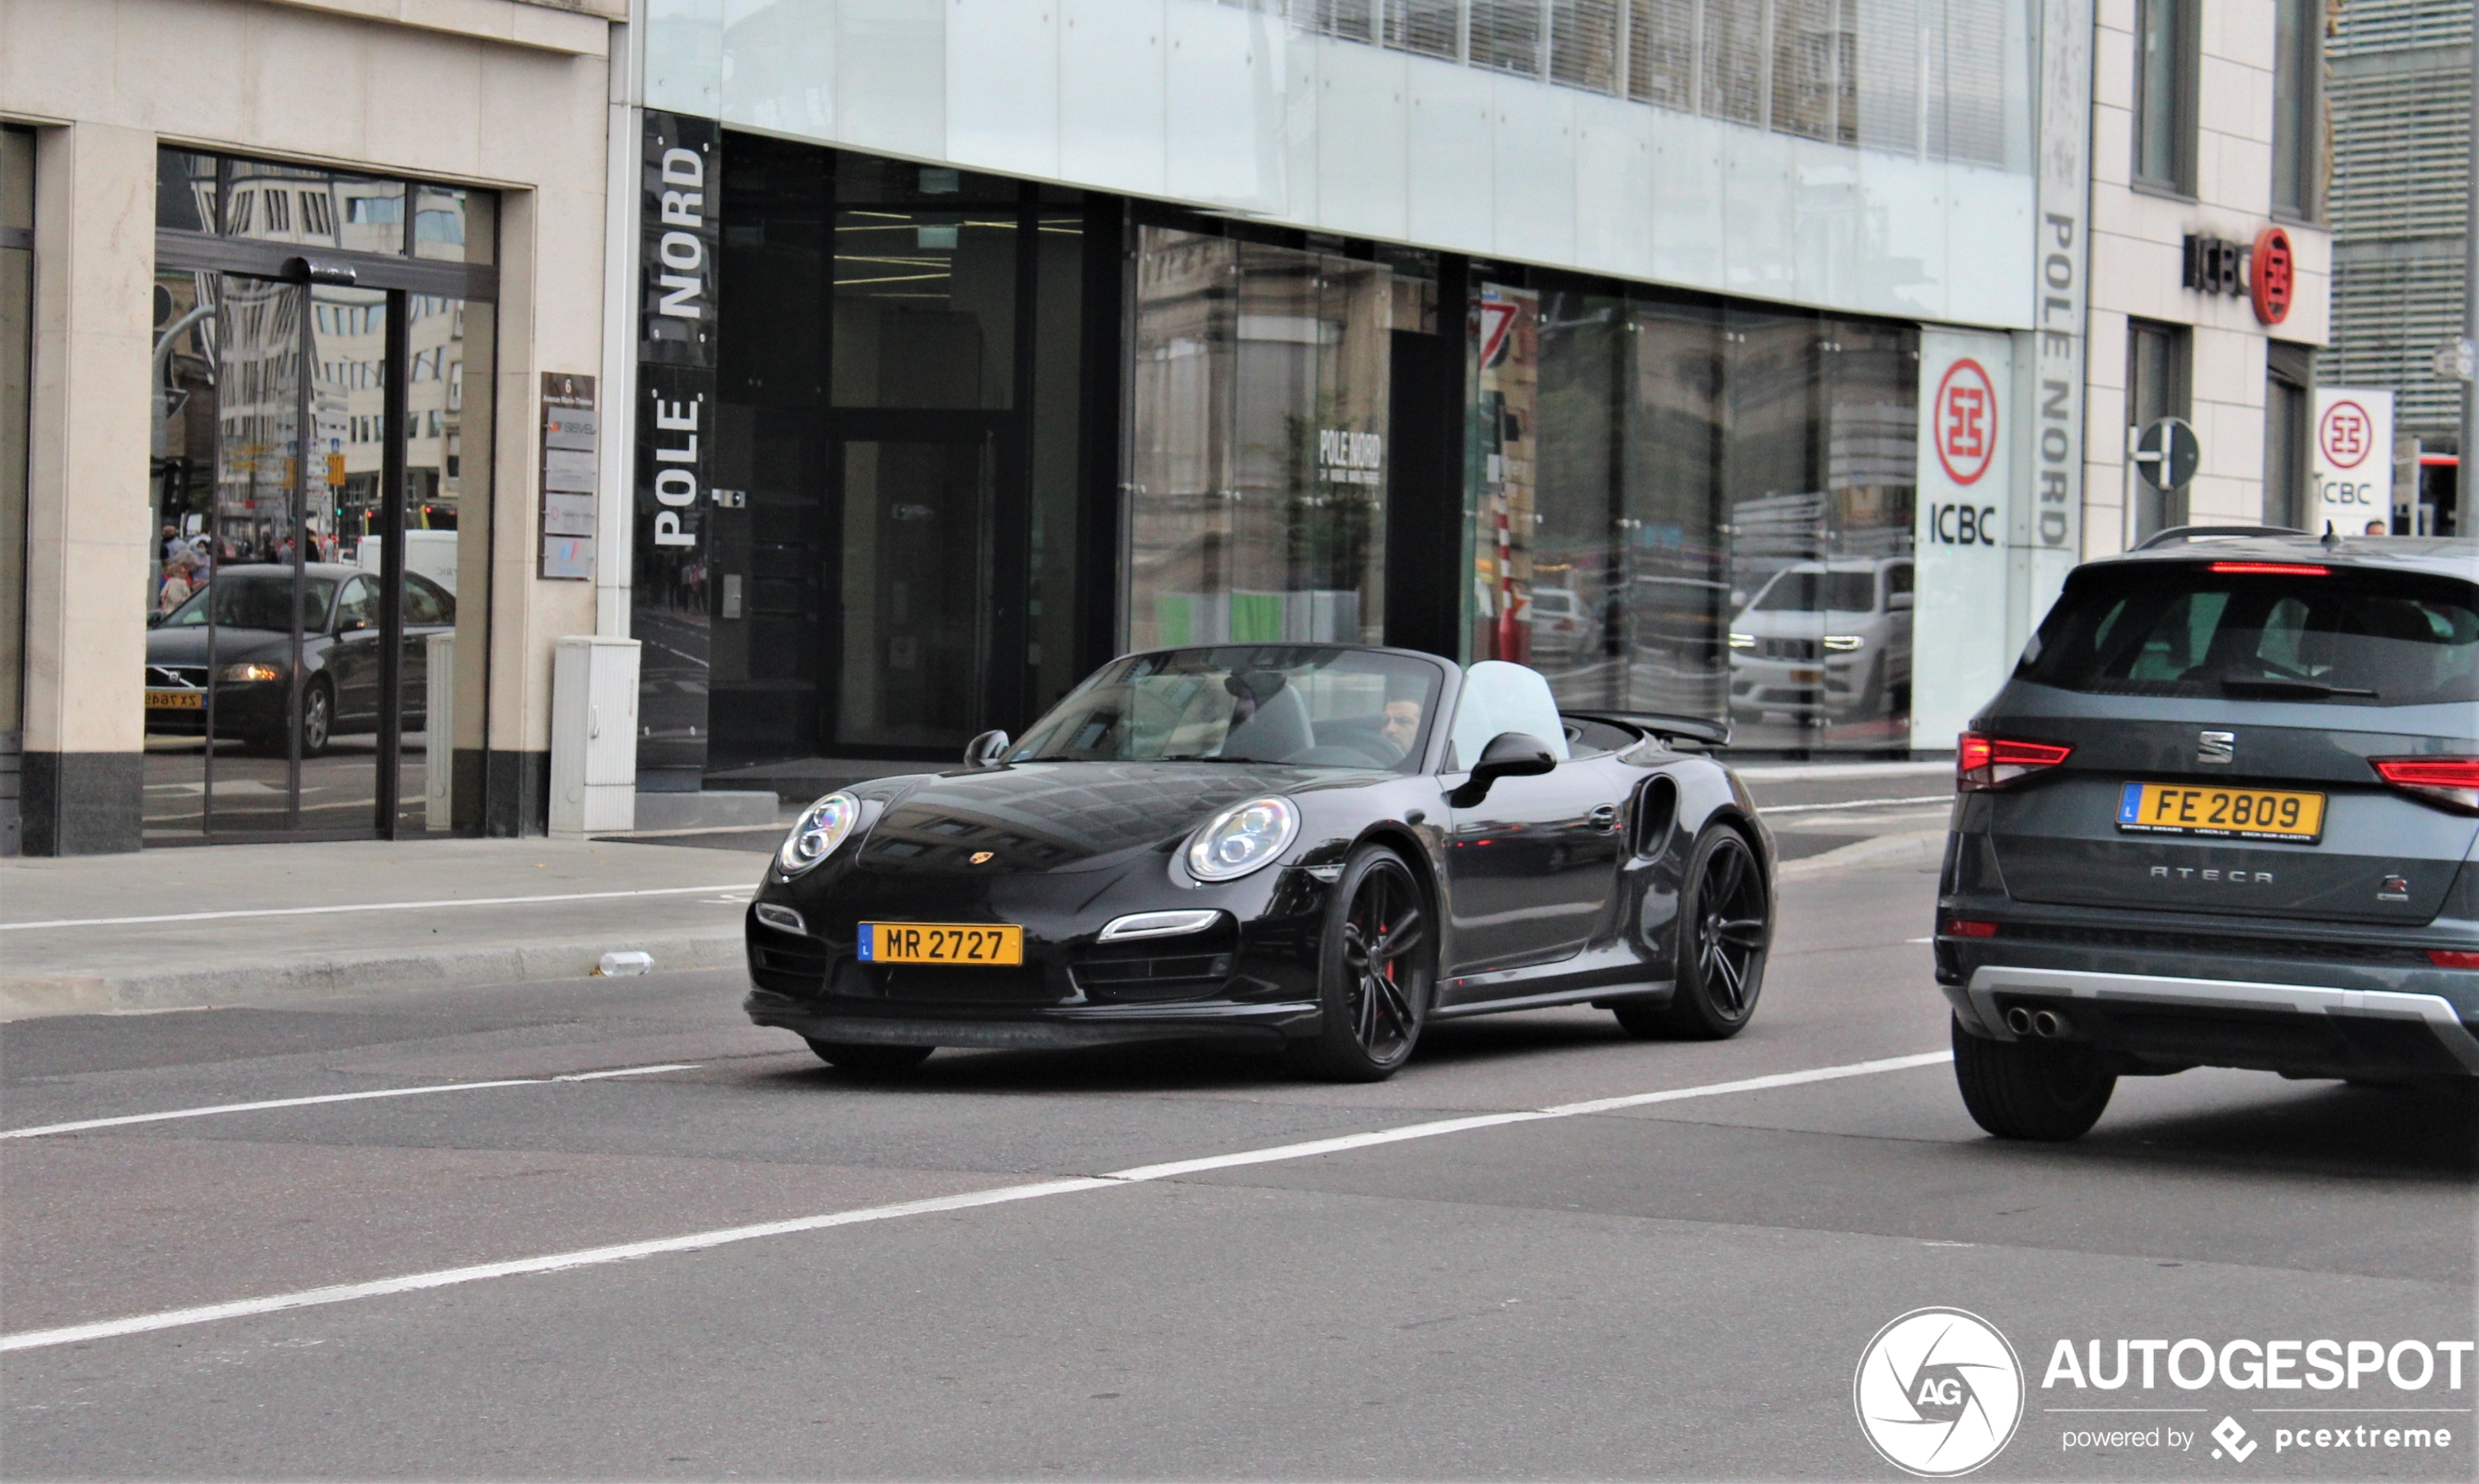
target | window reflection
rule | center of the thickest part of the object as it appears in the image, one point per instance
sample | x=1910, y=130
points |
x=1822, y=467
x=1260, y=411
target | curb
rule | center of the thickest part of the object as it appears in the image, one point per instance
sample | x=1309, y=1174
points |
x=40, y=994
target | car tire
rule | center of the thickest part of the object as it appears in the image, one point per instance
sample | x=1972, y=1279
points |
x=869, y=1056
x=2038, y=1090
x=1726, y=929
x=1377, y=961
x=316, y=723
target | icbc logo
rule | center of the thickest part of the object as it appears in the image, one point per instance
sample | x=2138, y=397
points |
x=1966, y=421
x=2271, y=275
x=2347, y=436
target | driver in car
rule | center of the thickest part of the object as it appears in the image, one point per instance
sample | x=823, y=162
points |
x=1401, y=726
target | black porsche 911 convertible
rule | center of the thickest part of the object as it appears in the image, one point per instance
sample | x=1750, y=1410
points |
x=1324, y=847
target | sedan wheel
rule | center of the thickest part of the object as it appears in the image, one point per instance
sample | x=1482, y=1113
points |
x=1725, y=928
x=318, y=719
x=1376, y=966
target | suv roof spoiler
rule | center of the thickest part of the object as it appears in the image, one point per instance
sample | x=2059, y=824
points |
x=1712, y=734
x=2190, y=533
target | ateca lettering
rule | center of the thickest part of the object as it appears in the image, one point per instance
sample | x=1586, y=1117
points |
x=674, y=485
x=682, y=252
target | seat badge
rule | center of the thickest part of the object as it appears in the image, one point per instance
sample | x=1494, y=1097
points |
x=2216, y=747
x=2394, y=889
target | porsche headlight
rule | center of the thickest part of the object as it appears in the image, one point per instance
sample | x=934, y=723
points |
x=1242, y=838
x=819, y=828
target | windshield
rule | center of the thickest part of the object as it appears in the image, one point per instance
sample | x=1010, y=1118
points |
x=2397, y=639
x=1797, y=592
x=1312, y=706
x=262, y=599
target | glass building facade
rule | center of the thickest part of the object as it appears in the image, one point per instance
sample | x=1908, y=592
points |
x=1586, y=332
x=976, y=435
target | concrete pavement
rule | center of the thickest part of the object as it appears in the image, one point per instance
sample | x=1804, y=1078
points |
x=1675, y=1290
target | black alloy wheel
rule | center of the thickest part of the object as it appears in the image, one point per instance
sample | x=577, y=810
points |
x=2045, y=1090
x=1376, y=966
x=1725, y=927
x=868, y=1056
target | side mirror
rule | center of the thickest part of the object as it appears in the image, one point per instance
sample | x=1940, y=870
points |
x=1899, y=602
x=154, y=619
x=1509, y=754
x=985, y=750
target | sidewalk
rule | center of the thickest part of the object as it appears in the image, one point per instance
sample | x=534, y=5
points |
x=262, y=924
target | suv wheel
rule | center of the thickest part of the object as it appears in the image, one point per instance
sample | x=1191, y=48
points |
x=2046, y=1090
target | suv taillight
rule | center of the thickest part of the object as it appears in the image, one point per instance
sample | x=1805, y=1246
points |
x=2453, y=782
x=1993, y=762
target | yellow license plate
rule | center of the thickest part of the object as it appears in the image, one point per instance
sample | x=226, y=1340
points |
x=2221, y=813
x=177, y=701
x=999, y=944
x=1810, y=674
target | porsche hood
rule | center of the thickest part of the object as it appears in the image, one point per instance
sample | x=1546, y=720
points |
x=1041, y=817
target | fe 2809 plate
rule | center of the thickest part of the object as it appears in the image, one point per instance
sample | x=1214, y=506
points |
x=986, y=944
x=2218, y=811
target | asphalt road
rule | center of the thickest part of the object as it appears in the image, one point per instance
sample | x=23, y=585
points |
x=1670, y=1289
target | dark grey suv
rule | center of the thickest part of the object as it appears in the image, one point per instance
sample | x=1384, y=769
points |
x=2221, y=814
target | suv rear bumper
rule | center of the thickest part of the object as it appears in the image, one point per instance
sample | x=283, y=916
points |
x=2170, y=1023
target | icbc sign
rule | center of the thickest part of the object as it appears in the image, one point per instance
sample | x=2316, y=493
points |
x=1966, y=421
x=2269, y=275
x=2347, y=434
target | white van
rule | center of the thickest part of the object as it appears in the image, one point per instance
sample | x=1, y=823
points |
x=431, y=553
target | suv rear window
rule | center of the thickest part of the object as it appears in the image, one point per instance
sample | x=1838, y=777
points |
x=2157, y=629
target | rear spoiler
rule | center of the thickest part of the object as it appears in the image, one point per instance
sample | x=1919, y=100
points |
x=2207, y=532
x=1670, y=729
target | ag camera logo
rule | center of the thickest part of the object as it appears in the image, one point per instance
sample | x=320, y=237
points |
x=1938, y=1392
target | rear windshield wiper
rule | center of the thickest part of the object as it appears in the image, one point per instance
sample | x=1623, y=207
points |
x=2270, y=685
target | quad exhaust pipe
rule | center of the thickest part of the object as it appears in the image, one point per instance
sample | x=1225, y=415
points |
x=2047, y=1025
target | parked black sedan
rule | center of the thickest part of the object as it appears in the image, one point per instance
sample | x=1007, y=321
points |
x=248, y=661
x=1322, y=847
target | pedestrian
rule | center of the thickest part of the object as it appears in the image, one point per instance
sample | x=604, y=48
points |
x=176, y=589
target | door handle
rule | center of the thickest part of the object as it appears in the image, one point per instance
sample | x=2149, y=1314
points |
x=1604, y=816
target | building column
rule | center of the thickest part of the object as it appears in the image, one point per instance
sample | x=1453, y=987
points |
x=88, y=535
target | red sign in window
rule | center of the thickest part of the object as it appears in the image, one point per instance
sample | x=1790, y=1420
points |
x=2269, y=275
x=1966, y=421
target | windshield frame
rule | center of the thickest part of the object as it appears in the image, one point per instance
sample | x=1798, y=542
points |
x=1043, y=740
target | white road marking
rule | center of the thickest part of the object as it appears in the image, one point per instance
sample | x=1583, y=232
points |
x=1928, y=798
x=371, y=906
x=40, y=1130
x=698, y=1242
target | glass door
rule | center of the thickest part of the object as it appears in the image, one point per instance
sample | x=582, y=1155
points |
x=913, y=595
x=263, y=662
